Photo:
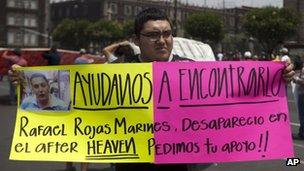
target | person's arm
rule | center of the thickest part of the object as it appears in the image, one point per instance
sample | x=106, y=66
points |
x=299, y=77
x=15, y=76
x=298, y=80
x=109, y=50
x=12, y=58
x=6, y=56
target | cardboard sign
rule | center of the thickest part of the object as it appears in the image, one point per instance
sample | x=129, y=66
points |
x=184, y=112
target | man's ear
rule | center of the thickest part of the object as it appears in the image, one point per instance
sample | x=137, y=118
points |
x=135, y=39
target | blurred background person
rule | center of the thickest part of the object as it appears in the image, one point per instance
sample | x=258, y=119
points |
x=220, y=56
x=83, y=58
x=298, y=91
x=263, y=56
x=52, y=56
x=119, y=52
x=255, y=58
x=247, y=56
x=284, y=56
x=14, y=58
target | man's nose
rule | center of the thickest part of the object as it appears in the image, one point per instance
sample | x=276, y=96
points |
x=161, y=39
x=40, y=89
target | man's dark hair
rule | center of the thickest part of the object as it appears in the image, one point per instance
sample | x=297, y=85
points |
x=125, y=50
x=35, y=75
x=53, y=49
x=17, y=51
x=146, y=15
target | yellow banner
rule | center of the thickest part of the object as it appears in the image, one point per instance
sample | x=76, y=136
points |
x=92, y=113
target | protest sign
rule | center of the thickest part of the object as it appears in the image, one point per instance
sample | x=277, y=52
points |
x=160, y=113
x=109, y=119
x=219, y=112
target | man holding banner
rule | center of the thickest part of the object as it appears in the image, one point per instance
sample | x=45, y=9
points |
x=153, y=35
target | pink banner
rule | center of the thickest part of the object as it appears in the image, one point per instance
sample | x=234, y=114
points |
x=220, y=112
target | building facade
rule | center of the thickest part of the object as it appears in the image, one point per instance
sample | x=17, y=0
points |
x=91, y=10
x=124, y=10
x=24, y=23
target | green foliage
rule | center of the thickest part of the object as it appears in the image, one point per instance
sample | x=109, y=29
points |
x=72, y=34
x=128, y=29
x=233, y=42
x=76, y=34
x=205, y=26
x=104, y=30
x=271, y=26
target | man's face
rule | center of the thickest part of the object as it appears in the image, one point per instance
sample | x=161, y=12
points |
x=41, y=89
x=155, y=41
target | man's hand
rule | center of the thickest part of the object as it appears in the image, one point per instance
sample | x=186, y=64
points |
x=14, y=75
x=288, y=71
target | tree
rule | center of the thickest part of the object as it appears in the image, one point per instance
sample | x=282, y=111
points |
x=206, y=26
x=271, y=26
x=105, y=31
x=128, y=29
x=72, y=34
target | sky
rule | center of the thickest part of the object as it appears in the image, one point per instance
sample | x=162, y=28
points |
x=232, y=3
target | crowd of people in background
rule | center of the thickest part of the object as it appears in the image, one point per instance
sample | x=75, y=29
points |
x=281, y=55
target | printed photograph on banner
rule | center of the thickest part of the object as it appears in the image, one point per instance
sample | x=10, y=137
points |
x=46, y=90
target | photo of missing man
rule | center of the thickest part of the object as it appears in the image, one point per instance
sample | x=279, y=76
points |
x=46, y=90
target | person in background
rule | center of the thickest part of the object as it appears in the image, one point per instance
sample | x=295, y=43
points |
x=299, y=93
x=52, y=56
x=284, y=55
x=263, y=56
x=119, y=52
x=220, y=56
x=83, y=58
x=15, y=58
x=238, y=55
x=247, y=56
x=255, y=58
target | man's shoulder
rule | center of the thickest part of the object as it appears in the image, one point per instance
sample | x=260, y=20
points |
x=58, y=104
x=28, y=102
